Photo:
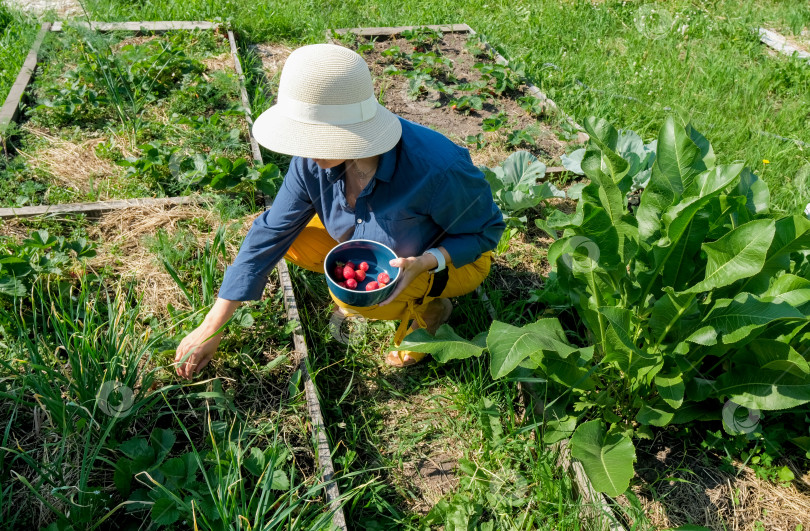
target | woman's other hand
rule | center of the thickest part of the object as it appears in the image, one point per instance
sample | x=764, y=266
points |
x=411, y=268
x=199, y=347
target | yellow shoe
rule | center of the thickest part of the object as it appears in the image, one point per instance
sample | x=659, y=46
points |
x=404, y=358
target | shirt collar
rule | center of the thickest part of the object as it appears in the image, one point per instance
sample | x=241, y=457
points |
x=385, y=167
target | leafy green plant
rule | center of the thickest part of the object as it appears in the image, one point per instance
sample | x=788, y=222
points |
x=515, y=185
x=39, y=256
x=478, y=140
x=395, y=53
x=79, y=357
x=237, y=475
x=520, y=136
x=531, y=105
x=477, y=46
x=423, y=39
x=175, y=173
x=502, y=78
x=466, y=103
x=696, y=305
x=495, y=122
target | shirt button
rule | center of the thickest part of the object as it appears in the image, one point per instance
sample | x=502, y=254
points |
x=359, y=221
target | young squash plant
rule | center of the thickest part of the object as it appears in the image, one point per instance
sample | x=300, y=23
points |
x=696, y=303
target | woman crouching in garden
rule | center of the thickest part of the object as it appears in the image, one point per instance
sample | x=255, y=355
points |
x=359, y=172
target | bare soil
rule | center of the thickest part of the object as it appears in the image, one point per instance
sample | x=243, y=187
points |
x=432, y=109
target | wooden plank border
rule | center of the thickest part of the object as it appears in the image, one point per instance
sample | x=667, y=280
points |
x=319, y=435
x=143, y=25
x=11, y=107
x=780, y=44
x=98, y=207
x=547, y=102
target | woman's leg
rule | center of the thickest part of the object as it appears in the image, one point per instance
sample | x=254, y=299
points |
x=311, y=246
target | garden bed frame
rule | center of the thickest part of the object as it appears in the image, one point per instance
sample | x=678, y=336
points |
x=780, y=44
x=597, y=510
x=9, y=113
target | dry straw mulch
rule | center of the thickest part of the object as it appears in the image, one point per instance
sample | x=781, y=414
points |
x=72, y=165
x=123, y=247
x=679, y=488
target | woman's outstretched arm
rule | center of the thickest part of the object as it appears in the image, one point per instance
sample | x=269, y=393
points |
x=199, y=346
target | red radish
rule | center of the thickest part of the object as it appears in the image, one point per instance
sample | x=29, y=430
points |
x=382, y=284
x=363, y=266
x=351, y=264
x=383, y=277
x=351, y=283
x=338, y=274
x=348, y=272
x=372, y=286
x=360, y=275
x=341, y=284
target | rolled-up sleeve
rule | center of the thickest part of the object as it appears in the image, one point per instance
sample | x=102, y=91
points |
x=463, y=207
x=269, y=238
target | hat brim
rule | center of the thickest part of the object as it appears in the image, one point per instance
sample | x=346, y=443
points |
x=277, y=132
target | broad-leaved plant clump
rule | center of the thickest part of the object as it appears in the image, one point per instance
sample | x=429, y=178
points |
x=696, y=305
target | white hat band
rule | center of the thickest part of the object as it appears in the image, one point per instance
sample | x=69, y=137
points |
x=314, y=113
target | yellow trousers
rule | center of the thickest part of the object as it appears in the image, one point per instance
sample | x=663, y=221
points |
x=313, y=244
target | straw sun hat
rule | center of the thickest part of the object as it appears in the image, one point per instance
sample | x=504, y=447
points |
x=326, y=108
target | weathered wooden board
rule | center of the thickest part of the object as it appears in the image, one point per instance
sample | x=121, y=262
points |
x=395, y=30
x=142, y=25
x=97, y=207
x=11, y=107
x=319, y=435
x=595, y=506
x=780, y=44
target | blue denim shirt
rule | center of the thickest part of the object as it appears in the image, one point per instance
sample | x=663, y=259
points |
x=426, y=193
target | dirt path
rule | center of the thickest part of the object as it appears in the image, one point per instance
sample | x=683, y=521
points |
x=63, y=8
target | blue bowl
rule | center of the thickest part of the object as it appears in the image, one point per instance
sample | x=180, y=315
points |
x=377, y=255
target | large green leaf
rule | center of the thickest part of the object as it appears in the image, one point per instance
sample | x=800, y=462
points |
x=510, y=346
x=792, y=289
x=601, y=162
x=791, y=234
x=568, y=369
x=684, y=230
x=756, y=193
x=656, y=413
x=764, y=389
x=735, y=320
x=773, y=355
x=671, y=388
x=706, y=151
x=671, y=314
x=607, y=458
x=739, y=254
x=678, y=161
x=446, y=345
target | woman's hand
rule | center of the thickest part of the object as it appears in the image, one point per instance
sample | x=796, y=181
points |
x=198, y=347
x=411, y=268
